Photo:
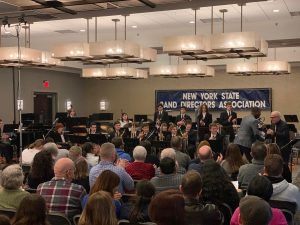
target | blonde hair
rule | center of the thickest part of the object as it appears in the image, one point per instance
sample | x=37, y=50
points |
x=99, y=210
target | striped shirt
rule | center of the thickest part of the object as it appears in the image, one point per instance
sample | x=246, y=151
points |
x=166, y=181
x=62, y=196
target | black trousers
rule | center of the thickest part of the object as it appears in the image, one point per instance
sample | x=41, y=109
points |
x=246, y=151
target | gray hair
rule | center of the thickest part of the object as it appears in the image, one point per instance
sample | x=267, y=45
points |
x=12, y=177
x=139, y=153
x=168, y=152
x=52, y=148
x=107, y=151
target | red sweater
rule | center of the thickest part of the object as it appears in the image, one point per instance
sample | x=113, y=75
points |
x=140, y=170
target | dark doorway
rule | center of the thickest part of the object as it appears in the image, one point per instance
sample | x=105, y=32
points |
x=45, y=107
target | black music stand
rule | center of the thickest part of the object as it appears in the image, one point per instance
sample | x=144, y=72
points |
x=97, y=138
x=10, y=128
x=77, y=139
x=130, y=144
x=159, y=145
x=291, y=119
x=62, y=117
x=140, y=118
x=101, y=116
x=78, y=130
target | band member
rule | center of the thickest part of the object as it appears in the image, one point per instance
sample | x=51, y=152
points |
x=227, y=119
x=249, y=132
x=58, y=135
x=161, y=115
x=174, y=131
x=163, y=133
x=279, y=132
x=93, y=128
x=189, y=139
x=117, y=132
x=124, y=120
x=146, y=134
x=215, y=138
x=182, y=117
x=204, y=118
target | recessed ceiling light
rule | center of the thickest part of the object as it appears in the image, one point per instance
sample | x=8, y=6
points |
x=7, y=32
x=192, y=22
x=134, y=26
x=82, y=30
x=275, y=10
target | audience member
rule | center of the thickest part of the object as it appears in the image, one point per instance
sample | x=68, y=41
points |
x=75, y=153
x=168, y=178
x=29, y=153
x=60, y=194
x=248, y=171
x=107, y=181
x=261, y=187
x=196, y=212
x=11, y=193
x=204, y=154
x=108, y=156
x=217, y=187
x=254, y=211
x=167, y=208
x=54, y=151
x=81, y=175
x=119, y=145
x=90, y=152
x=170, y=152
x=32, y=211
x=99, y=210
x=140, y=170
x=182, y=158
x=150, y=158
x=282, y=190
x=4, y=220
x=41, y=169
x=137, y=210
x=233, y=161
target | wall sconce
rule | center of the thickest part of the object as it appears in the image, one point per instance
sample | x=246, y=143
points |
x=68, y=104
x=103, y=105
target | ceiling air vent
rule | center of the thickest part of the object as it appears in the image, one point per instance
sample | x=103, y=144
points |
x=216, y=20
x=66, y=31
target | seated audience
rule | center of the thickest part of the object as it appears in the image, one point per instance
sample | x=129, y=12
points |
x=99, y=210
x=233, y=161
x=81, y=175
x=54, y=151
x=75, y=153
x=137, y=210
x=273, y=148
x=90, y=152
x=140, y=170
x=182, y=158
x=108, y=157
x=168, y=178
x=282, y=190
x=170, y=152
x=32, y=211
x=204, y=153
x=119, y=145
x=29, y=153
x=11, y=193
x=196, y=212
x=254, y=211
x=217, y=187
x=41, y=169
x=248, y=171
x=60, y=194
x=167, y=208
x=261, y=187
x=107, y=181
x=150, y=158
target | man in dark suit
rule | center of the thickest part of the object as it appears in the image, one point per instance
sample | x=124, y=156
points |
x=227, y=119
x=189, y=139
x=279, y=132
x=160, y=115
x=249, y=132
x=214, y=138
x=182, y=117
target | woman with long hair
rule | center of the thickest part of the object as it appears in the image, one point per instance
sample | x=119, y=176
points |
x=107, y=181
x=99, y=210
x=32, y=211
x=137, y=210
x=124, y=119
x=82, y=174
x=204, y=118
x=217, y=187
x=41, y=169
x=233, y=161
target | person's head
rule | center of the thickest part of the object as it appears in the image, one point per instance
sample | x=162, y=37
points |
x=203, y=143
x=42, y=165
x=259, y=151
x=260, y=186
x=145, y=189
x=139, y=153
x=203, y=108
x=12, y=177
x=118, y=142
x=106, y=181
x=191, y=184
x=145, y=128
x=38, y=144
x=32, y=210
x=124, y=117
x=81, y=169
x=233, y=152
x=93, y=127
x=87, y=147
x=273, y=165
x=51, y=148
x=275, y=117
x=228, y=106
x=176, y=143
x=167, y=208
x=164, y=127
x=160, y=107
x=147, y=145
x=64, y=168
x=4, y=220
x=182, y=110
x=168, y=152
x=254, y=211
x=75, y=153
x=117, y=125
x=108, y=152
x=173, y=129
x=99, y=210
x=205, y=153
x=273, y=148
x=167, y=165
x=256, y=112
x=59, y=127
x=188, y=125
x=213, y=128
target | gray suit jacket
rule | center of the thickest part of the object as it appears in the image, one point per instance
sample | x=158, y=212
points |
x=248, y=132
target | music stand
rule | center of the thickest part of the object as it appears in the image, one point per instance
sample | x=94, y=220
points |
x=101, y=116
x=10, y=128
x=97, y=138
x=159, y=145
x=130, y=144
x=139, y=118
x=291, y=118
x=77, y=139
x=78, y=130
